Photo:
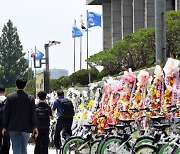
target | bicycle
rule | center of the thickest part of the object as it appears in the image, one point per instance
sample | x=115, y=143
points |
x=125, y=143
x=81, y=144
x=164, y=144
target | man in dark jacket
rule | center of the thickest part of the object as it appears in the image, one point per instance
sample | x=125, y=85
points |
x=43, y=112
x=19, y=117
x=4, y=139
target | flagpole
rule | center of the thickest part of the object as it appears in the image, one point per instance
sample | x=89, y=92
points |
x=31, y=75
x=35, y=62
x=35, y=68
x=89, y=75
x=28, y=65
x=74, y=53
x=87, y=40
x=81, y=44
x=80, y=52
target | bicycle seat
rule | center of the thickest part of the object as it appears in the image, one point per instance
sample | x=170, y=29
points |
x=99, y=136
x=101, y=116
x=127, y=121
x=174, y=110
x=161, y=126
x=133, y=109
x=144, y=109
x=157, y=118
x=108, y=129
x=111, y=125
x=170, y=106
x=143, y=116
x=125, y=111
x=88, y=125
x=119, y=126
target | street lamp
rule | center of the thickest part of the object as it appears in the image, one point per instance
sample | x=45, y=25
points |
x=46, y=61
x=47, y=73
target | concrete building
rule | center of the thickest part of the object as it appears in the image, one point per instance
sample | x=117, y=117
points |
x=121, y=17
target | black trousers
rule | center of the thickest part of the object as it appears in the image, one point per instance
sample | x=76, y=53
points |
x=62, y=124
x=4, y=143
x=42, y=141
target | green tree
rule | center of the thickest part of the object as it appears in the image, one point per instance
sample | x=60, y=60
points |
x=12, y=62
x=30, y=87
x=173, y=32
x=137, y=50
x=81, y=77
x=108, y=59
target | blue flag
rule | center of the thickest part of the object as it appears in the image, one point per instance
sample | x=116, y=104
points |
x=94, y=19
x=39, y=55
x=76, y=31
x=26, y=56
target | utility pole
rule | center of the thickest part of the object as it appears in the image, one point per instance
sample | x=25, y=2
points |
x=160, y=31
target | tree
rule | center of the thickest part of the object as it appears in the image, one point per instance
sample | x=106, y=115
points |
x=108, y=59
x=137, y=50
x=12, y=62
x=173, y=32
x=81, y=77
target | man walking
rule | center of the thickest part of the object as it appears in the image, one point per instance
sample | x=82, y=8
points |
x=65, y=113
x=43, y=112
x=4, y=139
x=19, y=117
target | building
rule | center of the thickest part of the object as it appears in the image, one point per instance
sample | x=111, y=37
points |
x=40, y=82
x=121, y=17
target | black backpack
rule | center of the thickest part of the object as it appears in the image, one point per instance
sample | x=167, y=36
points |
x=67, y=108
x=42, y=112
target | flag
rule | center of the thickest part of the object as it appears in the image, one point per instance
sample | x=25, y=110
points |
x=76, y=31
x=33, y=53
x=94, y=19
x=26, y=56
x=82, y=26
x=39, y=55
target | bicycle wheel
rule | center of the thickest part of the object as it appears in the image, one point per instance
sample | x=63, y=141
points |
x=76, y=145
x=166, y=149
x=114, y=145
x=176, y=151
x=146, y=149
x=94, y=147
x=144, y=140
x=100, y=146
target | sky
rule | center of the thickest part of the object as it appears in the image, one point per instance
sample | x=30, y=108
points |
x=39, y=21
